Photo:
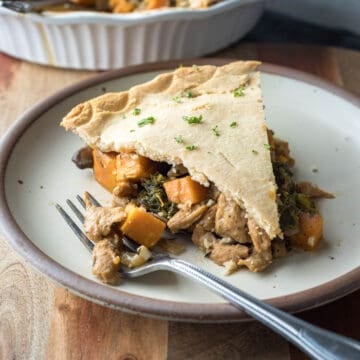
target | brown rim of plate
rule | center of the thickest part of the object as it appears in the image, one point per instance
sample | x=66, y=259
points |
x=115, y=298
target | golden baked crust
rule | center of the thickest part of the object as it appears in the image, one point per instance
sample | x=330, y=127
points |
x=201, y=79
x=229, y=143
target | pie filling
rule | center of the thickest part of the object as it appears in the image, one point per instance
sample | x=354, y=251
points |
x=152, y=197
x=128, y=6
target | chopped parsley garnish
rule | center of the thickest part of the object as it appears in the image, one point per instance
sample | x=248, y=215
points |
x=193, y=119
x=179, y=139
x=195, y=67
x=233, y=124
x=215, y=131
x=187, y=94
x=254, y=152
x=239, y=91
x=147, y=121
x=177, y=99
x=191, y=147
x=123, y=116
x=267, y=146
x=137, y=111
x=132, y=130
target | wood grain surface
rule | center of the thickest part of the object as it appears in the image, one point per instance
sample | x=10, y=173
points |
x=39, y=320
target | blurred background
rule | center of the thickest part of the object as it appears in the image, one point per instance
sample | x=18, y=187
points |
x=96, y=40
x=327, y=22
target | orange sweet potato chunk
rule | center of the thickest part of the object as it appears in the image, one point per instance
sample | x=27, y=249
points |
x=184, y=190
x=155, y=4
x=142, y=227
x=105, y=169
x=133, y=167
x=121, y=6
x=311, y=231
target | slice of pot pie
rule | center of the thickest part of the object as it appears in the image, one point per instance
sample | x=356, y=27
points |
x=190, y=151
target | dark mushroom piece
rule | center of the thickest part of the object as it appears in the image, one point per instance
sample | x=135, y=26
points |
x=83, y=158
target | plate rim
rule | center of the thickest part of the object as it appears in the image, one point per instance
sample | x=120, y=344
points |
x=124, y=301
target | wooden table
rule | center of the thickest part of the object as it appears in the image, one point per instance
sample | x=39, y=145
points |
x=39, y=320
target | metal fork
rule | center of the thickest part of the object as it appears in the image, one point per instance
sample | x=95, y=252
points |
x=312, y=340
x=29, y=6
x=33, y=6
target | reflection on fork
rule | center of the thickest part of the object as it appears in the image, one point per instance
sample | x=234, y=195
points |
x=314, y=341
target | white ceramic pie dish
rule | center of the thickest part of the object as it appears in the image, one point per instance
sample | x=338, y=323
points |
x=101, y=41
x=36, y=171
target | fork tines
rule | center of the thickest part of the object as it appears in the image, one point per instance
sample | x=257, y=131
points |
x=74, y=227
x=129, y=244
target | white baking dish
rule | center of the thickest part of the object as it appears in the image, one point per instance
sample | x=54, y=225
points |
x=94, y=40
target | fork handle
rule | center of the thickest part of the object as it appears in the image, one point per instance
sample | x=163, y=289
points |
x=314, y=341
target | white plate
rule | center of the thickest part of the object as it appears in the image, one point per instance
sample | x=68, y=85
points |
x=321, y=123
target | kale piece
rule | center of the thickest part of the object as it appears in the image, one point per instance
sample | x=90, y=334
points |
x=153, y=197
x=290, y=202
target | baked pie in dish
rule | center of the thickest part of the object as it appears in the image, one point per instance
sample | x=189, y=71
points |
x=127, y=6
x=189, y=151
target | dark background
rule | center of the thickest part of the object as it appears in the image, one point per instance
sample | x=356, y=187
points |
x=277, y=28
